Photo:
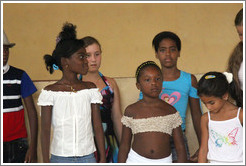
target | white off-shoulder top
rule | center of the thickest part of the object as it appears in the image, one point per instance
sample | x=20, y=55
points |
x=71, y=120
x=163, y=124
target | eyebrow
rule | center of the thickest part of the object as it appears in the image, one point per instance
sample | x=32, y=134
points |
x=169, y=47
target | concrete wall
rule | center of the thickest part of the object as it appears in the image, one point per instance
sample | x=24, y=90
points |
x=125, y=31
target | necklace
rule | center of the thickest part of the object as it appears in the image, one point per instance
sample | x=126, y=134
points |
x=71, y=87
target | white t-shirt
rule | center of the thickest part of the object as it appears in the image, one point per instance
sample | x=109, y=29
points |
x=71, y=120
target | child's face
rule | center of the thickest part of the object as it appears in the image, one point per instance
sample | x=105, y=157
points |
x=150, y=81
x=78, y=62
x=167, y=53
x=94, y=57
x=5, y=55
x=214, y=104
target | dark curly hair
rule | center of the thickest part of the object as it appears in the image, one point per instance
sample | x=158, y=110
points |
x=67, y=45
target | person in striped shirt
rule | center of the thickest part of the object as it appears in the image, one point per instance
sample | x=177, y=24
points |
x=17, y=86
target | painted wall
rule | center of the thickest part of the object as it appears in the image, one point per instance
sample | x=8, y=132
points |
x=125, y=32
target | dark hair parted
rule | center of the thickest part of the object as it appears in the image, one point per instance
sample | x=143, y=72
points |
x=166, y=35
x=239, y=18
x=143, y=66
x=212, y=84
x=89, y=40
x=67, y=45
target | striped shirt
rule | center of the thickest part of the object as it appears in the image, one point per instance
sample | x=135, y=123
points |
x=16, y=85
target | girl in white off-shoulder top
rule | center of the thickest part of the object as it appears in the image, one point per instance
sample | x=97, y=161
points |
x=70, y=105
x=151, y=122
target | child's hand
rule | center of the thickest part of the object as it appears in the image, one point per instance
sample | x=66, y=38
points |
x=31, y=156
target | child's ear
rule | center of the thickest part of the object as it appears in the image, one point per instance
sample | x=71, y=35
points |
x=156, y=56
x=225, y=96
x=64, y=61
x=138, y=86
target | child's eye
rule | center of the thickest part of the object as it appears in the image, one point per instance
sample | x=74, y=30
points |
x=173, y=49
x=147, y=80
x=162, y=50
x=83, y=56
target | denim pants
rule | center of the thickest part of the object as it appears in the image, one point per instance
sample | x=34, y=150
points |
x=75, y=159
x=174, y=152
x=15, y=151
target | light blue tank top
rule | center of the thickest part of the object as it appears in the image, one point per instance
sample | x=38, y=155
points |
x=177, y=94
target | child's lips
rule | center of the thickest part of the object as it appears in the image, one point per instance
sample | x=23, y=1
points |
x=93, y=65
x=155, y=89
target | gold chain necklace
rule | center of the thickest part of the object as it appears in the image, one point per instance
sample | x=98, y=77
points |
x=71, y=87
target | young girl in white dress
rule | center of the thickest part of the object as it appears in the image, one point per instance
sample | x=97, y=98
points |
x=70, y=105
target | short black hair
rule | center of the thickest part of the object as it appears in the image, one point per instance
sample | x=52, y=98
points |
x=213, y=84
x=145, y=65
x=166, y=35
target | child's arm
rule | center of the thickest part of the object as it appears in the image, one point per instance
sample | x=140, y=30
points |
x=125, y=144
x=98, y=131
x=196, y=114
x=46, y=112
x=116, y=111
x=31, y=155
x=195, y=109
x=241, y=116
x=179, y=145
x=202, y=156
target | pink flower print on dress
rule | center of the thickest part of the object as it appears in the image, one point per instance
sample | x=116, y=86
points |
x=171, y=99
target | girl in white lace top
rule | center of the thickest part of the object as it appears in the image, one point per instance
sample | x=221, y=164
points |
x=151, y=122
x=70, y=105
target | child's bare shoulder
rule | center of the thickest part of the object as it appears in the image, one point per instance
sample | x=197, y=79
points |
x=168, y=108
x=52, y=87
x=204, y=116
x=130, y=110
x=89, y=85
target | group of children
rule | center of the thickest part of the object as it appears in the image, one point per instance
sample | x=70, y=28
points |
x=155, y=123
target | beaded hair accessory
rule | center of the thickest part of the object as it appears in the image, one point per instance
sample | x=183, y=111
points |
x=209, y=77
x=229, y=76
x=144, y=64
x=55, y=67
x=58, y=39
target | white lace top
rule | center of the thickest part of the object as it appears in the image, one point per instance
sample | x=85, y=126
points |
x=71, y=120
x=163, y=124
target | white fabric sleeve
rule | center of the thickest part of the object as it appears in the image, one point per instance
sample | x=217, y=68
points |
x=45, y=98
x=96, y=96
x=126, y=121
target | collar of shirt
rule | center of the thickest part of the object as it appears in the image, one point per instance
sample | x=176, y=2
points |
x=5, y=68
